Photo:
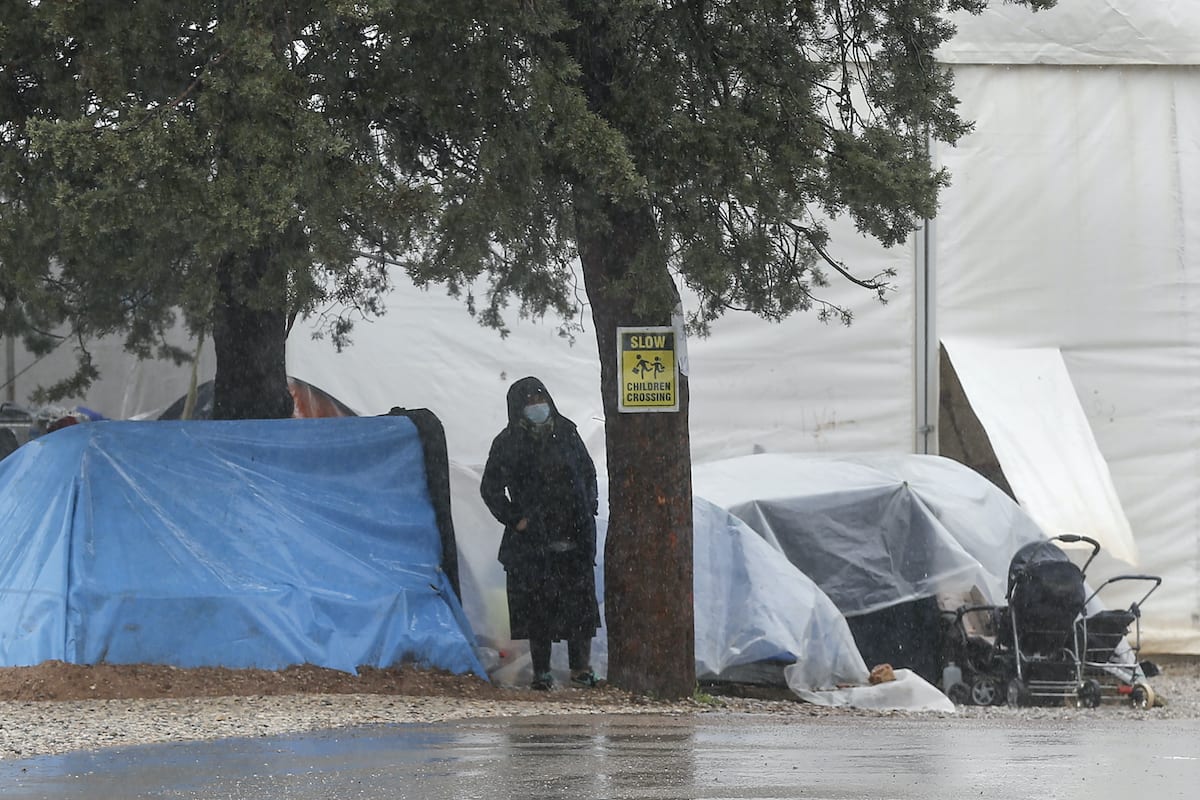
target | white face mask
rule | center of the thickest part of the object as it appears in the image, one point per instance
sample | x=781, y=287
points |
x=538, y=413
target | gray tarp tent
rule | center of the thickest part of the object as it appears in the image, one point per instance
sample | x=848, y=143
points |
x=881, y=534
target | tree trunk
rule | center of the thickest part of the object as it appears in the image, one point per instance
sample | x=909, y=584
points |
x=250, y=338
x=648, y=555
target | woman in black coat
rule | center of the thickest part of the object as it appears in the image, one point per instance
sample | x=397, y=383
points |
x=540, y=483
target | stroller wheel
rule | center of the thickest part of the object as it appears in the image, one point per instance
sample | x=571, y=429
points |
x=959, y=694
x=1018, y=695
x=1142, y=696
x=1090, y=693
x=985, y=692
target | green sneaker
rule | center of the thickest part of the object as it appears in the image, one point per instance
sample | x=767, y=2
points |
x=542, y=682
x=584, y=678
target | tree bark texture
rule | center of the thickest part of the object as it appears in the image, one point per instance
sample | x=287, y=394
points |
x=250, y=343
x=649, y=608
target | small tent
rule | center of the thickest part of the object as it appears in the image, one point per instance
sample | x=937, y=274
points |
x=756, y=613
x=308, y=402
x=258, y=543
x=882, y=535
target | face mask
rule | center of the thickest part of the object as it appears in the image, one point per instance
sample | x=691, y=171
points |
x=538, y=413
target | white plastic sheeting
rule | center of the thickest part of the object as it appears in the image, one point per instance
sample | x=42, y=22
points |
x=908, y=691
x=876, y=530
x=752, y=606
x=1026, y=403
x=427, y=352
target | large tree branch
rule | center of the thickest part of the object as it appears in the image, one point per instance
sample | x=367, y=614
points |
x=820, y=250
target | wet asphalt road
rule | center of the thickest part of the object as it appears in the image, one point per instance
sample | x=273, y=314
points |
x=701, y=756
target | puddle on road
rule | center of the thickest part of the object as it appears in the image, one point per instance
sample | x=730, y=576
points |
x=643, y=757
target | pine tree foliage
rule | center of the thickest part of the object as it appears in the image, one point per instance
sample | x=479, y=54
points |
x=740, y=125
x=151, y=148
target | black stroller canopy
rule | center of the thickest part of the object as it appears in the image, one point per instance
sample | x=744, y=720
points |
x=1030, y=557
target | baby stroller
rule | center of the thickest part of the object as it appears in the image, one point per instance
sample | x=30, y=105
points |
x=1108, y=657
x=975, y=671
x=1045, y=646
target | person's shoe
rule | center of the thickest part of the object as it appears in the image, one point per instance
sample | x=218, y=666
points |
x=584, y=678
x=542, y=682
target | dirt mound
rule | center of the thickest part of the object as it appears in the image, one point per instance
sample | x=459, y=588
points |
x=56, y=680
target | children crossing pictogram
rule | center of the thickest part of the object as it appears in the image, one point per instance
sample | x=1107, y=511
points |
x=649, y=378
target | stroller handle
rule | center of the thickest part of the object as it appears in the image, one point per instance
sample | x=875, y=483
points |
x=1074, y=538
x=964, y=610
x=992, y=616
x=1155, y=579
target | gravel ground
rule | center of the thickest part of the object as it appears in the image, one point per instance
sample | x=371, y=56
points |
x=32, y=728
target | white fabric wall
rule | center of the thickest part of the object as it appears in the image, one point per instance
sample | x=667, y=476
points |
x=796, y=385
x=127, y=388
x=1079, y=32
x=426, y=352
x=1071, y=223
x=806, y=386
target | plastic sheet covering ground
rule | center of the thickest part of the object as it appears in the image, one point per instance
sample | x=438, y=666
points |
x=239, y=544
x=751, y=605
x=909, y=692
x=875, y=530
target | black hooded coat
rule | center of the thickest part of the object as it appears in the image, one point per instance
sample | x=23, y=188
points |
x=543, y=474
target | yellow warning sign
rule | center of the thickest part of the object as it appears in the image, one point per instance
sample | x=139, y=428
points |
x=646, y=362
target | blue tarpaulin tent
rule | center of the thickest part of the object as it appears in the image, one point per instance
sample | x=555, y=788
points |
x=258, y=543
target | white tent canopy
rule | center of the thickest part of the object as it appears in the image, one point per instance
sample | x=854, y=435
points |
x=1079, y=32
x=1028, y=407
